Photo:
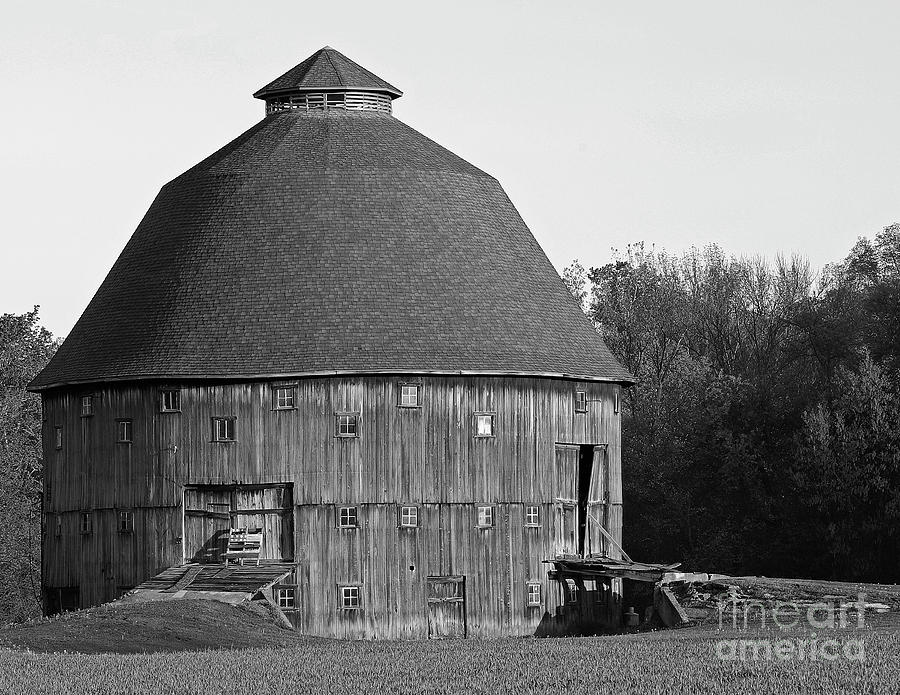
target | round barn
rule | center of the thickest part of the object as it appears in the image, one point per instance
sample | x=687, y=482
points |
x=338, y=332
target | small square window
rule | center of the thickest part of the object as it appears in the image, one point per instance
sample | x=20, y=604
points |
x=532, y=515
x=348, y=517
x=571, y=591
x=123, y=431
x=485, y=517
x=533, y=597
x=84, y=525
x=409, y=396
x=284, y=397
x=409, y=517
x=346, y=425
x=223, y=429
x=580, y=402
x=484, y=424
x=287, y=597
x=170, y=401
x=126, y=522
x=349, y=597
x=57, y=433
x=87, y=406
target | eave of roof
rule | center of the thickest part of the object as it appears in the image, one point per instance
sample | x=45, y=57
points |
x=329, y=373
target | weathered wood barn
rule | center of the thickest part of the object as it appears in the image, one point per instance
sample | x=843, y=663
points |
x=340, y=332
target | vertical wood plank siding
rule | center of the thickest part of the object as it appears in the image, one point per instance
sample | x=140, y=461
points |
x=425, y=456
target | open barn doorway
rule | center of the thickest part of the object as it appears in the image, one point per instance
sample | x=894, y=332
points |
x=210, y=511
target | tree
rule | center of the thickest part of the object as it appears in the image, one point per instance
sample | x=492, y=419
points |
x=25, y=348
x=848, y=469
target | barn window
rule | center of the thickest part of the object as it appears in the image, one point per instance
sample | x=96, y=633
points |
x=123, y=431
x=223, y=429
x=87, y=406
x=616, y=403
x=348, y=517
x=532, y=515
x=58, y=531
x=287, y=597
x=284, y=397
x=409, y=395
x=580, y=402
x=409, y=517
x=57, y=433
x=126, y=522
x=85, y=526
x=346, y=424
x=170, y=401
x=349, y=597
x=533, y=596
x=484, y=424
x=571, y=591
x=485, y=517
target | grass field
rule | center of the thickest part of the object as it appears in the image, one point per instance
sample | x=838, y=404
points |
x=659, y=662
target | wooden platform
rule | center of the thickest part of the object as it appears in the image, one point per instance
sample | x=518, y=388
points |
x=231, y=583
x=595, y=566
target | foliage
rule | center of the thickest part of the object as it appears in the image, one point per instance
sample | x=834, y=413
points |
x=677, y=661
x=25, y=348
x=762, y=393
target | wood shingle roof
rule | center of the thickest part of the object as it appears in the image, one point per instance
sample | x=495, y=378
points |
x=330, y=242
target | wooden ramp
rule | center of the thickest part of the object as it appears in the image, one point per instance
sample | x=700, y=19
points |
x=231, y=583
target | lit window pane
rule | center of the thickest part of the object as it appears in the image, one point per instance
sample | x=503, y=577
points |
x=485, y=516
x=484, y=425
x=580, y=402
x=284, y=397
x=171, y=401
x=409, y=395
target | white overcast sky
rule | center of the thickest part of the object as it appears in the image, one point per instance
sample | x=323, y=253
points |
x=765, y=127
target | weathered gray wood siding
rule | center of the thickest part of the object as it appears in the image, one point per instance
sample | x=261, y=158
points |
x=426, y=456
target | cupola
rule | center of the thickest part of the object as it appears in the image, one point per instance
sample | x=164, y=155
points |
x=328, y=80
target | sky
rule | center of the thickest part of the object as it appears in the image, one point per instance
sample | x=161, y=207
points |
x=764, y=127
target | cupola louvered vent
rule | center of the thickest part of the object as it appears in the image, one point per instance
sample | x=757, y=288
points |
x=323, y=101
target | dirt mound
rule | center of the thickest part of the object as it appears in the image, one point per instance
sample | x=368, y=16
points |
x=156, y=626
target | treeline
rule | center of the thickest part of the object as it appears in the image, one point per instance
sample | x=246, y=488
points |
x=763, y=435
x=25, y=348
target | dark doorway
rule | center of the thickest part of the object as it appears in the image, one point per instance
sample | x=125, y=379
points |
x=61, y=599
x=582, y=488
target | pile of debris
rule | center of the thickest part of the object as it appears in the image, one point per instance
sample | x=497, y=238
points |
x=702, y=598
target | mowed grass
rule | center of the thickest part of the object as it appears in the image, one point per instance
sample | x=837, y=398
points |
x=662, y=662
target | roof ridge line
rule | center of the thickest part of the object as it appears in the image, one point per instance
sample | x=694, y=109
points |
x=333, y=66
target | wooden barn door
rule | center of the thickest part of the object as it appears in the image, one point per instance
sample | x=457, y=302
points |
x=211, y=510
x=446, y=607
x=565, y=501
x=206, y=523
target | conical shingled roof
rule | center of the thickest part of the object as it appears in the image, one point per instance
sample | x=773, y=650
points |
x=328, y=242
x=327, y=69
